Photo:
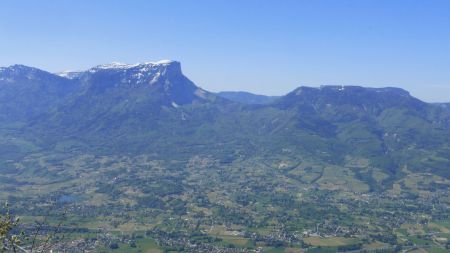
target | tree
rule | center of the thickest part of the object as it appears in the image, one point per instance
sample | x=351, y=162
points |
x=9, y=240
x=114, y=245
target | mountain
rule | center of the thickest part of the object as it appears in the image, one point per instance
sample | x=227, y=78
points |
x=26, y=92
x=143, y=108
x=136, y=103
x=246, y=97
x=386, y=124
x=160, y=81
x=27, y=95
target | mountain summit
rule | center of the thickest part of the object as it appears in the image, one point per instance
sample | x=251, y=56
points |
x=161, y=81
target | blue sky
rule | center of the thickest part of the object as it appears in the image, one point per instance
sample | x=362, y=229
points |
x=266, y=47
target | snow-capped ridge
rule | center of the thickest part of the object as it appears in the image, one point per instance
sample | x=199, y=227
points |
x=115, y=65
x=141, y=66
x=161, y=62
x=120, y=65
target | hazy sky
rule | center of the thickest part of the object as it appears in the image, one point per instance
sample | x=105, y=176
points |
x=267, y=47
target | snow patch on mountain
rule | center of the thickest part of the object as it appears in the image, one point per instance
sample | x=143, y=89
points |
x=69, y=74
x=155, y=78
x=200, y=93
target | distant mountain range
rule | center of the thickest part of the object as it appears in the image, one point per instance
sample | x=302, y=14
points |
x=152, y=108
x=247, y=97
